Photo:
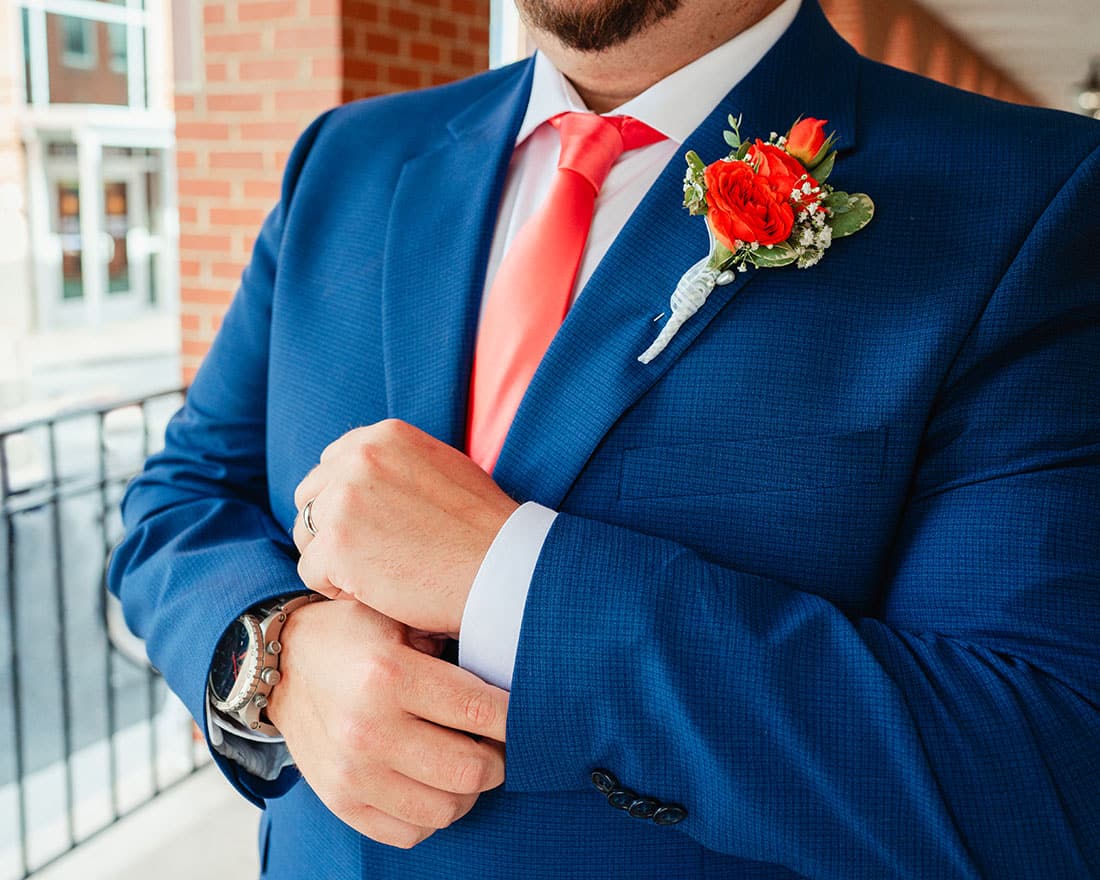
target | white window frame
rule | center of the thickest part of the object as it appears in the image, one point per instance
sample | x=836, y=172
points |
x=507, y=36
x=142, y=26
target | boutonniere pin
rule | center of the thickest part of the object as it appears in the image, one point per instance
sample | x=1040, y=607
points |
x=767, y=205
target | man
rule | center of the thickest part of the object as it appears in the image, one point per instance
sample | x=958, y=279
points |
x=813, y=593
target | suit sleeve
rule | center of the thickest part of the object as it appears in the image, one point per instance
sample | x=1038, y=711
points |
x=201, y=545
x=954, y=731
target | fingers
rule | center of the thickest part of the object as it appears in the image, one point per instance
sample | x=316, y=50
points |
x=310, y=487
x=312, y=572
x=452, y=697
x=418, y=804
x=450, y=762
x=300, y=534
x=433, y=644
x=383, y=828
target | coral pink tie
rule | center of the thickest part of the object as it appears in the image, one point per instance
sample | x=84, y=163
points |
x=533, y=286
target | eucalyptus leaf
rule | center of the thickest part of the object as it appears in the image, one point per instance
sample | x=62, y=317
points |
x=821, y=171
x=860, y=211
x=770, y=258
x=837, y=201
x=732, y=139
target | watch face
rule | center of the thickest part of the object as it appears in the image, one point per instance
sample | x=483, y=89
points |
x=229, y=656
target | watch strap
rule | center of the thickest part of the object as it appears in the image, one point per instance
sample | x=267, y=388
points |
x=252, y=715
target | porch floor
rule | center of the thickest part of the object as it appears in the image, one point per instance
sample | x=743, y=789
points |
x=199, y=828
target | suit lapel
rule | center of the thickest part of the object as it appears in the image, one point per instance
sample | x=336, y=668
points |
x=590, y=375
x=437, y=246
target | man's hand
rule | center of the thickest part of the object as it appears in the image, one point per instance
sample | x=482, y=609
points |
x=403, y=522
x=374, y=724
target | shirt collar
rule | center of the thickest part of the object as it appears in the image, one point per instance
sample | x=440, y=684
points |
x=677, y=104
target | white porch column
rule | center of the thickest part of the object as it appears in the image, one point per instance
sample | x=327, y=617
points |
x=93, y=257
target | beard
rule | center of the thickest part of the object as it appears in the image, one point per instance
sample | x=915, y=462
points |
x=593, y=28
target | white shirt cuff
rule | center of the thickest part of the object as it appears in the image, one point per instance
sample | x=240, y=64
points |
x=258, y=753
x=494, y=609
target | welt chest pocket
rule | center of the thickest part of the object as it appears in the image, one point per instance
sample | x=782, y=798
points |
x=734, y=467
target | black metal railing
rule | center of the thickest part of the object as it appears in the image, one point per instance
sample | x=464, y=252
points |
x=88, y=730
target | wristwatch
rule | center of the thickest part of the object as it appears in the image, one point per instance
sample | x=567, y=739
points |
x=245, y=667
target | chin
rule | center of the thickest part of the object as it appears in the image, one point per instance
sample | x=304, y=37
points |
x=594, y=25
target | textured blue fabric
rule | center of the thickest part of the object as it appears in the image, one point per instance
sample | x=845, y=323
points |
x=827, y=570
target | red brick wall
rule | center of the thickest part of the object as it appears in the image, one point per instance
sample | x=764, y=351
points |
x=272, y=65
x=391, y=45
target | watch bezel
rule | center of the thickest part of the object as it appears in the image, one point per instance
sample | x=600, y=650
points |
x=244, y=688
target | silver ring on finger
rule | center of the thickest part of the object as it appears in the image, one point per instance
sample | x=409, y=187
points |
x=307, y=517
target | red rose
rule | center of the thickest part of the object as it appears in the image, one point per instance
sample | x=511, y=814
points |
x=806, y=138
x=782, y=172
x=742, y=207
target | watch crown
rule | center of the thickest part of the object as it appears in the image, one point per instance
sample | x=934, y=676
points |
x=270, y=676
x=260, y=700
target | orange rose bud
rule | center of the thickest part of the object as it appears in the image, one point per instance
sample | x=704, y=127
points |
x=806, y=138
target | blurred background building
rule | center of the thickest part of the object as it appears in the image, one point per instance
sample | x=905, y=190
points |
x=141, y=146
x=88, y=208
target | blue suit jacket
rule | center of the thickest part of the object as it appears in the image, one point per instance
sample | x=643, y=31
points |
x=826, y=571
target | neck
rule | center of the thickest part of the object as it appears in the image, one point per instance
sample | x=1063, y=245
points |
x=608, y=78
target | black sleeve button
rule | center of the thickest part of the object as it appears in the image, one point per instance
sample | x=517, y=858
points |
x=621, y=798
x=644, y=808
x=669, y=814
x=605, y=782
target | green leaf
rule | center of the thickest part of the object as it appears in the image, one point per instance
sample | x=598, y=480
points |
x=733, y=137
x=824, y=151
x=742, y=151
x=821, y=171
x=771, y=258
x=720, y=256
x=860, y=211
x=837, y=201
x=696, y=208
x=694, y=162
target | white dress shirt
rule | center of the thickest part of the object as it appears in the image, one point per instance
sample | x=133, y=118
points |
x=675, y=106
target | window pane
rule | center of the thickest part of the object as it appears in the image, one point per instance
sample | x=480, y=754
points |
x=116, y=205
x=87, y=61
x=78, y=42
x=68, y=231
x=116, y=39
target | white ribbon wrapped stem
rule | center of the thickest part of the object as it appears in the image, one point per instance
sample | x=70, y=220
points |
x=690, y=294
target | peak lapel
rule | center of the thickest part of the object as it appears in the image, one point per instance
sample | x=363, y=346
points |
x=437, y=245
x=590, y=375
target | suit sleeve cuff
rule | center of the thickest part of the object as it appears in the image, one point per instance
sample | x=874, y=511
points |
x=494, y=609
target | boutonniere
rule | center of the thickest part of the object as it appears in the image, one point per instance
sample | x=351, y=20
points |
x=767, y=205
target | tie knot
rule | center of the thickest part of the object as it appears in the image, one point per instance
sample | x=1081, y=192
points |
x=591, y=144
